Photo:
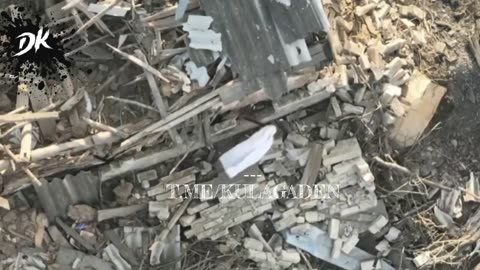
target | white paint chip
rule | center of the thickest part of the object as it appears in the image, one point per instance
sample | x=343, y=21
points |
x=285, y=2
x=271, y=59
x=200, y=36
x=197, y=22
x=198, y=74
x=297, y=52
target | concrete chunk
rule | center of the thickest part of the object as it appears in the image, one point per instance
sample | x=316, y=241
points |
x=393, y=67
x=329, y=133
x=149, y=175
x=187, y=220
x=393, y=234
x=397, y=107
x=336, y=248
x=345, y=150
x=389, y=92
x=284, y=223
x=348, y=108
x=364, y=62
x=377, y=224
x=290, y=255
x=362, y=10
x=253, y=244
x=335, y=106
x=256, y=256
x=314, y=216
x=353, y=48
x=350, y=243
x=412, y=12
x=334, y=228
x=383, y=247
x=197, y=208
x=297, y=139
x=394, y=46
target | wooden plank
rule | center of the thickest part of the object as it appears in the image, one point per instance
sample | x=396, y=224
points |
x=98, y=16
x=314, y=162
x=408, y=129
x=106, y=214
x=125, y=251
x=157, y=96
x=29, y=116
x=75, y=235
x=39, y=100
x=103, y=127
x=172, y=120
x=160, y=241
x=79, y=127
x=27, y=142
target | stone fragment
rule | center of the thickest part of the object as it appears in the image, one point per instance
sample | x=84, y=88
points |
x=350, y=243
x=123, y=191
x=335, y=106
x=377, y=224
x=187, y=220
x=353, y=48
x=297, y=139
x=333, y=228
x=314, y=216
x=362, y=10
x=348, y=108
x=393, y=234
x=389, y=91
x=284, y=223
x=251, y=243
x=149, y=175
x=397, y=107
x=336, y=248
x=290, y=255
x=82, y=213
x=440, y=47
x=394, y=46
x=383, y=247
x=411, y=11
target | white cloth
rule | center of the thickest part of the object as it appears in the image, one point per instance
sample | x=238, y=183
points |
x=248, y=152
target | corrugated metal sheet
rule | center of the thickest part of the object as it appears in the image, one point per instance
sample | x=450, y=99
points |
x=56, y=196
x=255, y=34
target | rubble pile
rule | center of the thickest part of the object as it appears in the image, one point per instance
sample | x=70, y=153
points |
x=217, y=120
x=373, y=44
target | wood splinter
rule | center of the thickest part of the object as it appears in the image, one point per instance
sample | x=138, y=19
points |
x=29, y=116
x=140, y=63
x=104, y=127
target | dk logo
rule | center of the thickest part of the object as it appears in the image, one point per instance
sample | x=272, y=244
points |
x=33, y=41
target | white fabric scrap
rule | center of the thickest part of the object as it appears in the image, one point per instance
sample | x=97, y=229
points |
x=198, y=74
x=248, y=152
